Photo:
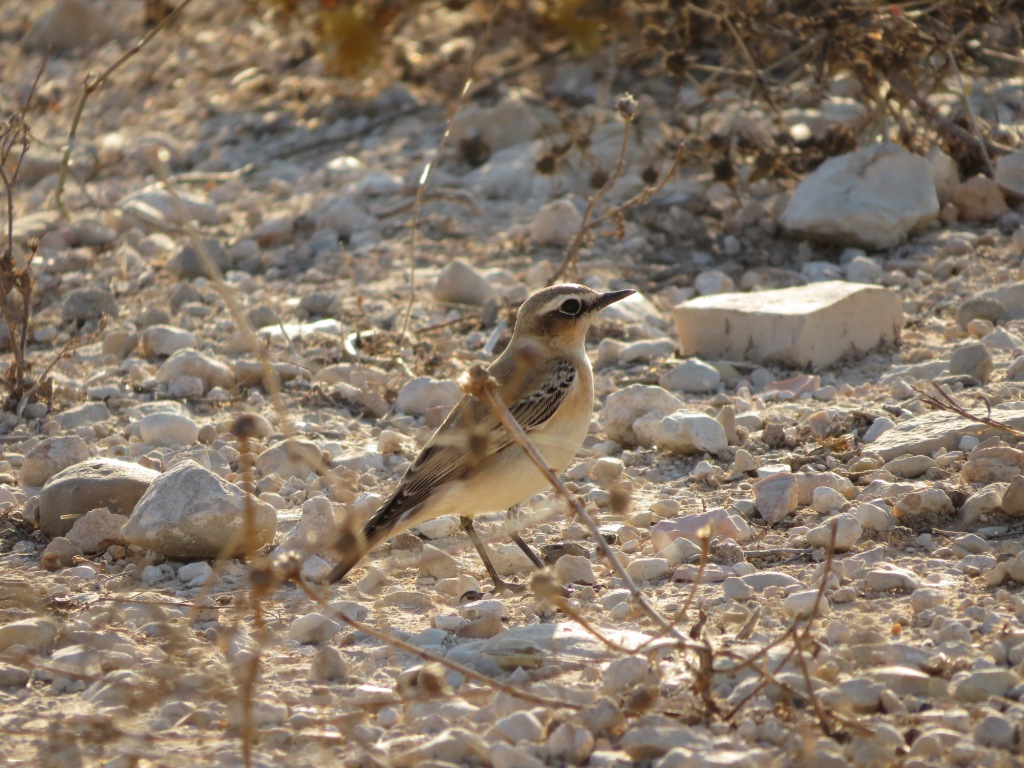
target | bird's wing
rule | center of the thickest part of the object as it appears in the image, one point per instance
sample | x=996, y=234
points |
x=471, y=434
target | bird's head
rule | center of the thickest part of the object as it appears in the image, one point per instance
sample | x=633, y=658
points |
x=562, y=313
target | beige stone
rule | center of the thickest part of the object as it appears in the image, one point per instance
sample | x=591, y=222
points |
x=808, y=325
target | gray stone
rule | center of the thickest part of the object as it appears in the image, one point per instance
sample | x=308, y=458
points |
x=294, y=457
x=189, y=362
x=70, y=494
x=190, y=512
x=164, y=340
x=693, y=375
x=972, y=360
x=980, y=308
x=83, y=304
x=188, y=263
x=460, y=283
x=71, y=24
x=51, y=456
x=776, y=496
x=556, y=223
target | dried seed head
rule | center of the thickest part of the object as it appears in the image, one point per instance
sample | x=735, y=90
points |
x=627, y=107
x=598, y=178
x=244, y=427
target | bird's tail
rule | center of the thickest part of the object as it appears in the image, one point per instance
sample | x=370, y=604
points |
x=353, y=543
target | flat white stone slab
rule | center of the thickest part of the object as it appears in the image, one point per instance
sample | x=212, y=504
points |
x=812, y=324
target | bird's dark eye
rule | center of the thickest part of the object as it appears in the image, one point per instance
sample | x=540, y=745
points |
x=571, y=307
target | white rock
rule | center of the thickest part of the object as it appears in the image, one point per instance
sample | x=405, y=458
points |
x=682, y=432
x=189, y=362
x=556, y=223
x=197, y=574
x=154, y=206
x=981, y=684
x=994, y=730
x=874, y=516
x=626, y=673
x=886, y=577
x=801, y=605
x=438, y=563
x=190, y=512
x=573, y=569
x=96, y=530
x=520, y=726
x=861, y=269
x=713, y=281
x=168, y=429
x=944, y=174
x=423, y=393
x=623, y=407
x=313, y=628
x=878, y=427
x=165, y=340
x=776, y=496
x=606, y=470
x=646, y=350
x=648, y=569
x=460, y=283
x=52, y=455
x=801, y=326
x=848, y=532
x=36, y=633
x=873, y=198
x=439, y=527
x=826, y=500
x=737, y=589
x=570, y=743
x=291, y=457
x=315, y=528
x=982, y=504
x=980, y=199
x=693, y=375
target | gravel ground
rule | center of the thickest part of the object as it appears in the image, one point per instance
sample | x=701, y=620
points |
x=137, y=645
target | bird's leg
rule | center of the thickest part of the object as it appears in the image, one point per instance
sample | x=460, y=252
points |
x=513, y=517
x=500, y=584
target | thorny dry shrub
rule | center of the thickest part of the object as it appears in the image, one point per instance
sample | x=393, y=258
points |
x=16, y=283
x=894, y=56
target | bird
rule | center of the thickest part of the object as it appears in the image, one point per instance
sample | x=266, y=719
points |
x=471, y=465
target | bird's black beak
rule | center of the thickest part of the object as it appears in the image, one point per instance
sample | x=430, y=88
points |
x=611, y=297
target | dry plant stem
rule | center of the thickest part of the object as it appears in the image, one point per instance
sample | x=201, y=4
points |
x=971, y=120
x=247, y=689
x=395, y=642
x=985, y=147
x=645, y=194
x=16, y=134
x=425, y=176
x=477, y=382
x=946, y=402
x=572, y=253
x=90, y=86
x=792, y=631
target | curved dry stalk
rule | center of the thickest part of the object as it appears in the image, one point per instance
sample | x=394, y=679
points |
x=946, y=402
x=572, y=252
